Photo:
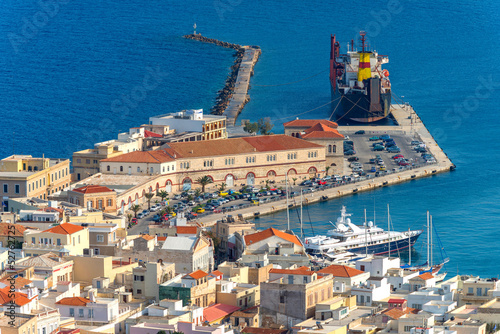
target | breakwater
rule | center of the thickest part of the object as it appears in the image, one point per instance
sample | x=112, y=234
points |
x=232, y=98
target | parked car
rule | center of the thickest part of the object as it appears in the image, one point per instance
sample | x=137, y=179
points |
x=156, y=218
x=145, y=212
x=397, y=156
x=374, y=138
x=134, y=221
x=200, y=210
x=177, y=196
x=140, y=215
x=321, y=182
x=353, y=159
x=373, y=169
x=415, y=142
x=191, y=203
x=378, y=148
x=359, y=132
x=350, y=152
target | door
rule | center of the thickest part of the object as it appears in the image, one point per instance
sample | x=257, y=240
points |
x=230, y=181
x=186, y=185
x=251, y=179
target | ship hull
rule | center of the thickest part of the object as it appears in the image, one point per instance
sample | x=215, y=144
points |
x=381, y=249
x=359, y=108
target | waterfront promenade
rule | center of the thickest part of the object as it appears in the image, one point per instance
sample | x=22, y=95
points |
x=410, y=126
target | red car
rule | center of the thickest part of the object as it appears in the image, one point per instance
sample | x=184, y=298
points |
x=133, y=221
x=398, y=156
x=403, y=163
x=321, y=182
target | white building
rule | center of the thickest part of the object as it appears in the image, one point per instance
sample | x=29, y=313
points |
x=439, y=308
x=378, y=266
x=103, y=310
x=375, y=289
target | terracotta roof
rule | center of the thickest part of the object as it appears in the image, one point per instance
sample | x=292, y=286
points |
x=262, y=235
x=161, y=238
x=396, y=313
x=196, y=274
x=217, y=273
x=17, y=231
x=19, y=298
x=397, y=301
x=321, y=131
x=74, y=301
x=258, y=330
x=239, y=146
x=147, y=237
x=338, y=270
x=65, y=228
x=19, y=282
x=302, y=123
x=218, y=311
x=425, y=276
x=291, y=272
x=148, y=134
x=154, y=157
x=187, y=230
x=92, y=189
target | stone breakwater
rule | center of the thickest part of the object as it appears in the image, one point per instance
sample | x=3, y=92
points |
x=226, y=97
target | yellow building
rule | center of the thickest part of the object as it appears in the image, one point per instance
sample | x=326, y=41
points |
x=92, y=196
x=25, y=176
x=47, y=265
x=63, y=239
x=87, y=268
x=238, y=294
x=21, y=324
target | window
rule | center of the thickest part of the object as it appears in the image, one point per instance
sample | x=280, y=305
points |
x=87, y=161
x=108, y=168
x=99, y=204
x=100, y=238
x=470, y=290
x=250, y=160
x=71, y=312
x=479, y=292
x=17, y=189
x=79, y=161
x=109, y=202
x=139, y=291
x=78, y=239
x=121, y=168
x=95, y=162
x=91, y=313
x=5, y=188
x=33, y=240
x=408, y=328
x=58, y=242
x=79, y=177
x=80, y=313
x=73, y=241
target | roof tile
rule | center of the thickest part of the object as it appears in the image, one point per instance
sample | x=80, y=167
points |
x=262, y=235
x=341, y=271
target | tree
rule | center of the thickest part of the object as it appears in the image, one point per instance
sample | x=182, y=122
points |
x=162, y=194
x=148, y=197
x=204, y=181
x=197, y=193
x=216, y=241
x=190, y=197
x=251, y=127
x=222, y=186
x=327, y=168
x=135, y=208
x=129, y=217
x=265, y=126
x=294, y=180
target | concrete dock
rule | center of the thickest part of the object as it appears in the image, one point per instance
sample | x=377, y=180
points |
x=408, y=123
x=240, y=95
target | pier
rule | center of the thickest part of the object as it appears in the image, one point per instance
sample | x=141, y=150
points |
x=234, y=96
x=408, y=123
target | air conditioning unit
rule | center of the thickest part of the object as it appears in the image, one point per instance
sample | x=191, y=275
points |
x=88, y=252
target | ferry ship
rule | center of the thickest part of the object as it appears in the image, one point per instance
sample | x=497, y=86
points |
x=359, y=83
x=364, y=239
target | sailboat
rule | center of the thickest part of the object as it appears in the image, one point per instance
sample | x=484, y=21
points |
x=429, y=266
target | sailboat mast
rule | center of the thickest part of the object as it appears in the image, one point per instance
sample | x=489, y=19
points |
x=431, y=245
x=389, y=229
x=428, y=238
x=366, y=236
x=409, y=247
x=287, y=207
x=301, y=229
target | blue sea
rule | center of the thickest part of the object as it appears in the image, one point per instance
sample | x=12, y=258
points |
x=73, y=73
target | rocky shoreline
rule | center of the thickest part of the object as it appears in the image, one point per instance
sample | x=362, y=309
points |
x=225, y=94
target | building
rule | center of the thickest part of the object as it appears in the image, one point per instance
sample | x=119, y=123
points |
x=25, y=176
x=94, y=197
x=22, y=324
x=244, y=274
x=225, y=231
x=158, y=162
x=197, y=288
x=324, y=133
x=63, y=239
x=477, y=291
x=345, y=275
x=218, y=313
x=48, y=265
x=194, y=124
x=86, y=268
x=23, y=303
x=148, y=276
x=240, y=295
x=180, y=327
x=103, y=238
x=96, y=310
x=426, y=280
x=13, y=232
x=285, y=303
x=373, y=290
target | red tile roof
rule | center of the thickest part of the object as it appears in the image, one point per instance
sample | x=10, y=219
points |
x=303, y=123
x=65, y=228
x=292, y=272
x=239, y=146
x=426, y=276
x=218, y=311
x=321, y=131
x=262, y=235
x=217, y=273
x=7, y=297
x=396, y=313
x=341, y=271
x=17, y=231
x=74, y=301
x=161, y=238
x=397, y=301
x=147, y=237
x=19, y=282
x=154, y=157
x=148, y=134
x=187, y=230
x=92, y=189
x=196, y=274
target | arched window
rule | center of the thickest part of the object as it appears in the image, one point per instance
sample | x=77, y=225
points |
x=108, y=168
x=121, y=168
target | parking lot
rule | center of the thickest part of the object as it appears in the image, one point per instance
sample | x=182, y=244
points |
x=364, y=148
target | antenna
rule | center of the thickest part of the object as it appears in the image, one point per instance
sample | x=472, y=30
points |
x=366, y=237
x=388, y=226
x=287, y=207
x=427, y=237
x=431, y=245
x=363, y=39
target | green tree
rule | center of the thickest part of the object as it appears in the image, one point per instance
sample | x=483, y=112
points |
x=162, y=194
x=222, y=186
x=265, y=126
x=216, y=240
x=129, y=217
x=190, y=197
x=204, y=181
x=327, y=168
x=135, y=208
x=294, y=180
x=148, y=197
x=251, y=127
x=197, y=193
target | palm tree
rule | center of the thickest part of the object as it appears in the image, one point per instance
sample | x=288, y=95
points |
x=162, y=194
x=135, y=208
x=148, y=197
x=203, y=181
x=129, y=217
x=294, y=179
x=197, y=193
x=222, y=186
x=169, y=209
x=326, y=169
